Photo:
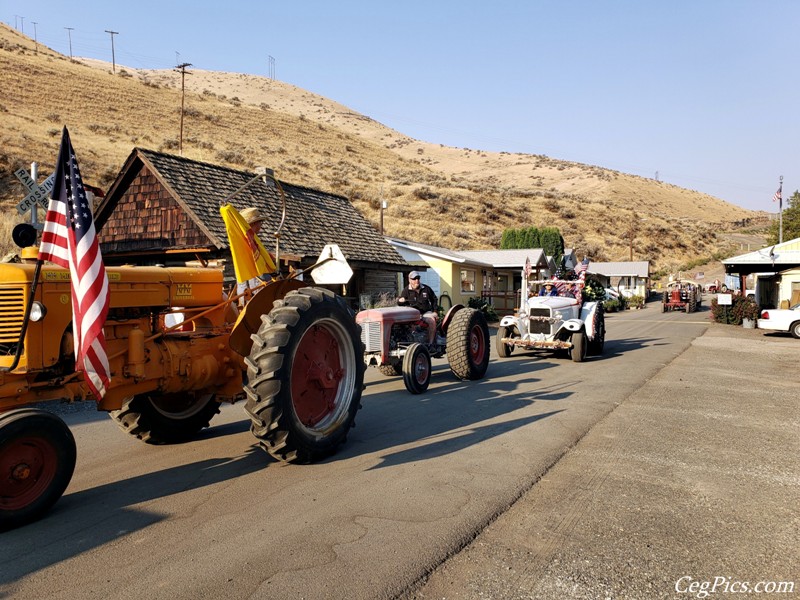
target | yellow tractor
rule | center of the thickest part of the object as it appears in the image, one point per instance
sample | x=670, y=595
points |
x=293, y=353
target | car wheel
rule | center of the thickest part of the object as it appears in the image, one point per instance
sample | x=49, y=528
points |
x=795, y=329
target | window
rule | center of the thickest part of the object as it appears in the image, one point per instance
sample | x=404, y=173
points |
x=468, y=280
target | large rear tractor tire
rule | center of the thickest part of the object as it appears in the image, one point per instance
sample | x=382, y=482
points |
x=598, y=342
x=305, y=376
x=417, y=368
x=468, y=344
x=166, y=418
x=504, y=350
x=578, y=350
x=37, y=460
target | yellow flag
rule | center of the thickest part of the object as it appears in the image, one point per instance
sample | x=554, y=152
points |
x=250, y=258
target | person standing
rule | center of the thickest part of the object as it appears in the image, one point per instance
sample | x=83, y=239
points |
x=254, y=219
x=418, y=295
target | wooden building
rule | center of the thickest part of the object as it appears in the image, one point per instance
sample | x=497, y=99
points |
x=164, y=209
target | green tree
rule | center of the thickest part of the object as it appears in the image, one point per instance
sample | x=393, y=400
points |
x=551, y=241
x=791, y=221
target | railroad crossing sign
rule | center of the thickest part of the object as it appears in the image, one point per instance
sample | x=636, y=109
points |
x=37, y=194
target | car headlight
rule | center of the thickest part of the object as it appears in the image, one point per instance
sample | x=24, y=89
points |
x=38, y=311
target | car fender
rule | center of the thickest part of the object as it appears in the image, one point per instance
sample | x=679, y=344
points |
x=571, y=325
x=588, y=311
x=508, y=321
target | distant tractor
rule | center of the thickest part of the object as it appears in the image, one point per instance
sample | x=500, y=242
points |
x=681, y=295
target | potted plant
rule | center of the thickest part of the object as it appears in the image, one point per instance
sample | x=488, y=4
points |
x=746, y=312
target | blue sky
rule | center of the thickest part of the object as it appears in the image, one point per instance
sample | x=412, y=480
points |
x=701, y=93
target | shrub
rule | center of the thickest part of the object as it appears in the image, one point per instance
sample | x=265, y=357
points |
x=487, y=309
x=636, y=302
x=612, y=305
x=742, y=308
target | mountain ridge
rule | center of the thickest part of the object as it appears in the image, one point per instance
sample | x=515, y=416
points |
x=459, y=198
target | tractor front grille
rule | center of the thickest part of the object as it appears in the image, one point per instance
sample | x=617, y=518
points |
x=12, y=313
x=537, y=326
x=371, y=336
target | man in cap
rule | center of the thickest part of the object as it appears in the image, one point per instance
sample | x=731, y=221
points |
x=418, y=295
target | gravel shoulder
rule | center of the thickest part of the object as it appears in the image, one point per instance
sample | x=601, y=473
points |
x=692, y=480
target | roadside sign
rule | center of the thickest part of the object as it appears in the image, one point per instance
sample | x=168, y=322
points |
x=38, y=194
x=725, y=299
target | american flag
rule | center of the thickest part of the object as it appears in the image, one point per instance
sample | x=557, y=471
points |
x=777, y=196
x=69, y=241
x=580, y=269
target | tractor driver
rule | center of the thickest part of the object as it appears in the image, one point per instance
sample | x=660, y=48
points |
x=418, y=295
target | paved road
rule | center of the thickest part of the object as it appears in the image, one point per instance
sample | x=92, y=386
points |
x=419, y=478
x=689, y=489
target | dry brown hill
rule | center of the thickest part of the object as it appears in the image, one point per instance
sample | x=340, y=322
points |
x=455, y=197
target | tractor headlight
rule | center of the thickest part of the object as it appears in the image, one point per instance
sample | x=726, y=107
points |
x=38, y=311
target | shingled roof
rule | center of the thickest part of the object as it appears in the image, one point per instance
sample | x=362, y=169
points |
x=163, y=202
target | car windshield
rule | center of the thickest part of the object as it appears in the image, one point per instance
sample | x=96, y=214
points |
x=795, y=307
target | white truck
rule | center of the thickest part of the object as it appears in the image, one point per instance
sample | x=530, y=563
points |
x=554, y=323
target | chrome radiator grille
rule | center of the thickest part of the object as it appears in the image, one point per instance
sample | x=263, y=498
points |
x=371, y=336
x=536, y=326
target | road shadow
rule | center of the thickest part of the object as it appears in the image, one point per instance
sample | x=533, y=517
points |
x=82, y=521
x=440, y=447
x=395, y=418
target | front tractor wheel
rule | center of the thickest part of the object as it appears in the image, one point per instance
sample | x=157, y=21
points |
x=305, y=376
x=37, y=459
x=394, y=367
x=166, y=418
x=417, y=368
x=468, y=344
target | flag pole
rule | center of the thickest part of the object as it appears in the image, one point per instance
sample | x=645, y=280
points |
x=780, y=213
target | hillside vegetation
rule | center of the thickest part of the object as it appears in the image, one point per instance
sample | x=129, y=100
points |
x=459, y=198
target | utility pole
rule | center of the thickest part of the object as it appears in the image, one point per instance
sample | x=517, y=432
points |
x=113, y=59
x=271, y=67
x=383, y=207
x=69, y=33
x=35, y=40
x=22, y=21
x=181, y=68
x=780, y=212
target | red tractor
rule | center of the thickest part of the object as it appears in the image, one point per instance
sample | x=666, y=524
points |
x=400, y=341
x=681, y=295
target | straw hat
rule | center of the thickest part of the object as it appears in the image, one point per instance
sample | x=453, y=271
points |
x=252, y=215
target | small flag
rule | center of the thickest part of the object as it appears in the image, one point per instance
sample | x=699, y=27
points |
x=581, y=267
x=250, y=258
x=69, y=240
x=777, y=196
